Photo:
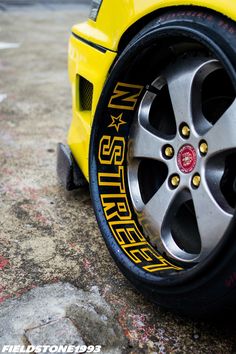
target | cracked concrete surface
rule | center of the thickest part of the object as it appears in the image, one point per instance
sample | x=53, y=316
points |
x=60, y=314
x=49, y=236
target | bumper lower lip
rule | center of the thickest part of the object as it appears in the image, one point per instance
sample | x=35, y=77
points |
x=68, y=171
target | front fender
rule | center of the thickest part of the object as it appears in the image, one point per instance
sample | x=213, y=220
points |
x=109, y=28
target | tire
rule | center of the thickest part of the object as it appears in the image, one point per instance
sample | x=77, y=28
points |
x=162, y=162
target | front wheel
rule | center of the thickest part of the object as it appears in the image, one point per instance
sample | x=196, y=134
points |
x=162, y=161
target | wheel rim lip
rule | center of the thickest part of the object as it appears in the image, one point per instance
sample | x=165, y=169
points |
x=188, y=274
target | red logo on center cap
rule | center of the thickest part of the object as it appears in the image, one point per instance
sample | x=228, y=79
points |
x=187, y=158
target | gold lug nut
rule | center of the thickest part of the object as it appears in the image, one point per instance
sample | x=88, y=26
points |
x=175, y=181
x=185, y=131
x=196, y=181
x=203, y=148
x=169, y=151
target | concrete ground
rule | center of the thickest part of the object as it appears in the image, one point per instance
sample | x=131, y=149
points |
x=49, y=237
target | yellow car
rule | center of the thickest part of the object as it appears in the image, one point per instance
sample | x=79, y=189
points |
x=154, y=134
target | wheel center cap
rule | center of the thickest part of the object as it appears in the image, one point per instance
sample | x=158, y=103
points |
x=186, y=158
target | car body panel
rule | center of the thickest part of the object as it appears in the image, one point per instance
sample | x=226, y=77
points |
x=93, y=64
x=108, y=29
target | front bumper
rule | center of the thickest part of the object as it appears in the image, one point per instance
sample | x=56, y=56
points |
x=88, y=69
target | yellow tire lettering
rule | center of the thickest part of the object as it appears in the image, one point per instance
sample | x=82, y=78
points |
x=109, y=179
x=116, y=205
x=126, y=232
x=125, y=96
x=143, y=252
x=112, y=150
x=163, y=265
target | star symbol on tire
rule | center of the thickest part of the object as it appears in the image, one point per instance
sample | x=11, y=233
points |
x=117, y=122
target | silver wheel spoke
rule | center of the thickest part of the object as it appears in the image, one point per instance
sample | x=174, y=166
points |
x=185, y=88
x=212, y=220
x=222, y=136
x=159, y=206
x=146, y=144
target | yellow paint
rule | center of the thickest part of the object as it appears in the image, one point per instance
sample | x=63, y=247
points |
x=108, y=28
x=93, y=65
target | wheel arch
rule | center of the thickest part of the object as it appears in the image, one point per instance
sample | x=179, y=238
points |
x=138, y=25
x=112, y=32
